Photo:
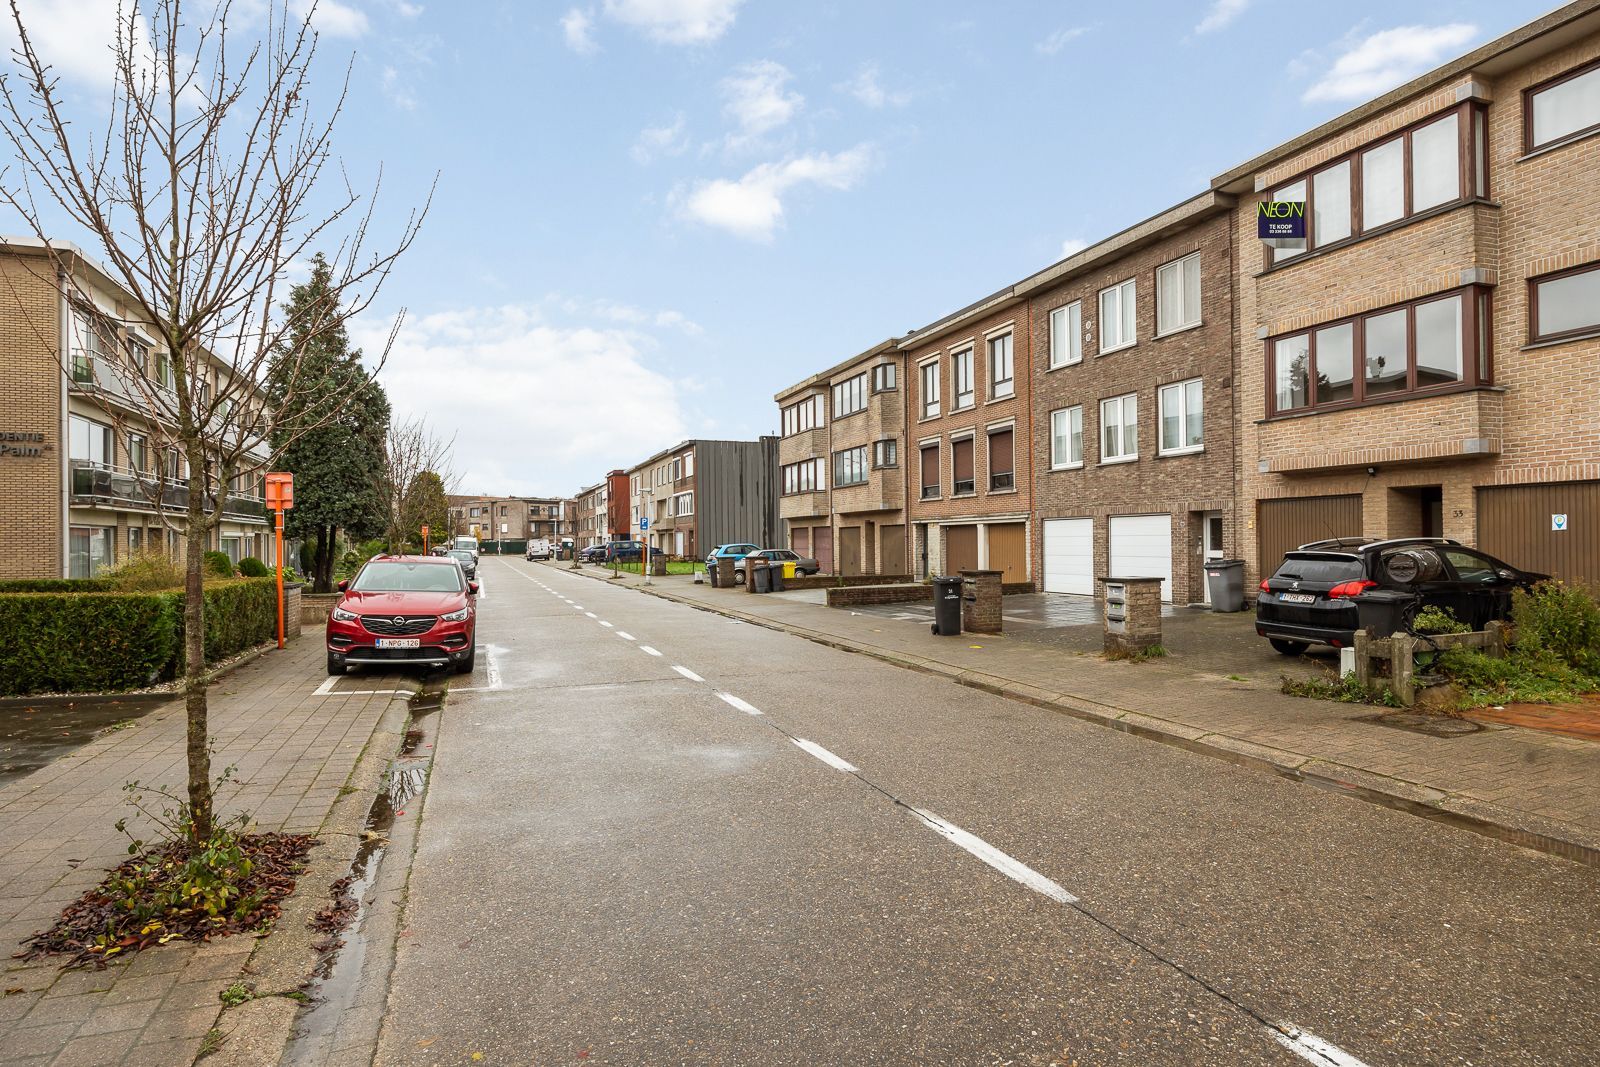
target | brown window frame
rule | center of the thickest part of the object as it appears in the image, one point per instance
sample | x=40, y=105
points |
x=922, y=467
x=881, y=371
x=1467, y=132
x=1010, y=475
x=1477, y=365
x=1532, y=91
x=783, y=477
x=880, y=453
x=864, y=468
x=1534, y=336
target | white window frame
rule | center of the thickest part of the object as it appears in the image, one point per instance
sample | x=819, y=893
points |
x=996, y=357
x=1123, y=402
x=1072, y=413
x=1187, y=318
x=1180, y=390
x=1066, y=322
x=684, y=503
x=929, y=397
x=1127, y=297
x=961, y=373
x=850, y=396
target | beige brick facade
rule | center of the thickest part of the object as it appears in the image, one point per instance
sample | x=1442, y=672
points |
x=32, y=444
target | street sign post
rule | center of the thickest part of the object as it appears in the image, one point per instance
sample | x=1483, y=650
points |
x=424, y=539
x=280, y=498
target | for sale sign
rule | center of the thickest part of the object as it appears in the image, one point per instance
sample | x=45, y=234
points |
x=1281, y=220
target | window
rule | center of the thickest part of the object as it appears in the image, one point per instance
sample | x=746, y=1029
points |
x=1383, y=183
x=1178, y=294
x=1066, y=334
x=1436, y=164
x=1066, y=438
x=1182, y=418
x=963, y=481
x=803, y=477
x=930, y=389
x=138, y=453
x=883, y=379
x=1565, y=304
x=850, y=467
x=683, y=504
x=1119, y=429
x=1002, y=471
x=1117, y=316
x=850, y=396
x=930, y=472
x=135, y=540
x=688, y=468
x=1565, y=107
x=1415, y=347
x=90, y=442
x=1002, y=372
x=1330, y=198
x=90, y=550
x=802, y=416
x=961, y=379
x=886, y=453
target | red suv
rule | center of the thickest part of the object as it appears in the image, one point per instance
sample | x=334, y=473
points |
x=405, y=610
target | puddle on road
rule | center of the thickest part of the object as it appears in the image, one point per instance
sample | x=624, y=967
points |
x=341, y=975
x=32, y=736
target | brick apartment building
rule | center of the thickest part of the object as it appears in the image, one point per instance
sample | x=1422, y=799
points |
x=841, y=476
x=1430, y=363
x=513, y=518
x=86, y=474
x=1133, y=449
x=593, y=515
x=699, y=494
x=968, y=424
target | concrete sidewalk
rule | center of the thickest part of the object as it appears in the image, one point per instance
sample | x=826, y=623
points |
x=1526, y=786
x=295, y=750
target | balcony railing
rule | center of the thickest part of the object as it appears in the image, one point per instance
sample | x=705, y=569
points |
x=101, y=484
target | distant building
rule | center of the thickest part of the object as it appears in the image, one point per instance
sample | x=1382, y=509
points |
x=699, y=494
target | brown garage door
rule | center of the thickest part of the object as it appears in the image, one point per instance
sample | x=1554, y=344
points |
x=1286, y=524
x=1008, y=551
x=849, y=550
x=822, y=547
x=1517, y=524
x=960, y=549
x=892, y=550
x=800, y=539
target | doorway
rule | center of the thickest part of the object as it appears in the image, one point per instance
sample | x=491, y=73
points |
x=1210, y=548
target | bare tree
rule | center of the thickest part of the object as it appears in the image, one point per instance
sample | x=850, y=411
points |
x=200, y=197
x=413, y=449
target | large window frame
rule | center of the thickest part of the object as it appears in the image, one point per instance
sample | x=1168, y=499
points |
x=883, y=378
x=1001, y=352
x=1001, y=481
x=964, y=486
x=1073, y=437
x=1472, y=182
x=1122, y=405
x=1066, y=335
x=1127, y=314
x=885, y=453
x=928, y=378
x=85, y=438
x=1477, y=363
x=934, y=489
x=806, y=476
x=1178, y=393
x=1535, y=334
x=850, y=396
x=850, y=467
x=801, y=416
x=963, y=388
x=1183, y=317
x=1533, y=91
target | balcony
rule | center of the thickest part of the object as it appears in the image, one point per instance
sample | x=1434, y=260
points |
x=1418, y=429
x=884, y=490
x=803, y=505
x=122, y=489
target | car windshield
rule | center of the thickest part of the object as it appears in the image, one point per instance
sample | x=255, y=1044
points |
x=1319, y=569
x=462, y=554
x=393, y=576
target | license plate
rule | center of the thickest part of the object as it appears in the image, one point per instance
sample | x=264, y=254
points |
x=399, y=642
x=1297, y=598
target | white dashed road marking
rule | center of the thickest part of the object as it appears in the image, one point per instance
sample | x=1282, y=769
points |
x=733, y=701
x=607, y=625
x=825, y=756
x=1016, y=870
x=624, y=636
x=591, y=615
x=1312, y=1048
x=687, y=673
x=648, y=649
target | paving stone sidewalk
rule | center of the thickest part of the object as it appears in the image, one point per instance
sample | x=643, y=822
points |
x=294, y=751
x=1540, y=788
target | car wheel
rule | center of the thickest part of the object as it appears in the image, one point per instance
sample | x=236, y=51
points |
x=1288, y=648
x=465, y=666
x=738, y=577
x=335, y=663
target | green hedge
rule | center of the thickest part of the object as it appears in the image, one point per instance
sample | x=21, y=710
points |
x=57, y=585
x=81, y=641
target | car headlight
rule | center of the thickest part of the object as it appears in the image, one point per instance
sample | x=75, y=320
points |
x=456, y=616
x=341, y=615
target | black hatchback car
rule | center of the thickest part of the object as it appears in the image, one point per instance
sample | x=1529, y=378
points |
x=1309, y=599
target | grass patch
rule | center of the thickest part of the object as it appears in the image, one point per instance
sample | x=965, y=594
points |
x=674, y=566
x=1520, y=678
x=1344, y=690
x=236, y=994
x=1137, y=655
x=211, y=1043
x=1237, y=678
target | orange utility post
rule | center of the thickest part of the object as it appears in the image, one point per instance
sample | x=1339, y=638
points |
x=280, y=498
x=424, y=539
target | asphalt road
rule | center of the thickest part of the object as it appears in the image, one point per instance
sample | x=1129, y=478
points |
x=681, y=839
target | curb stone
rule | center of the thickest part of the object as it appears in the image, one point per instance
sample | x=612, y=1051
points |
x=1515, y=827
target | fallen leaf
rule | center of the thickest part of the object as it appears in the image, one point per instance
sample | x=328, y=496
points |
x=425, y=1042
x=477, y=1055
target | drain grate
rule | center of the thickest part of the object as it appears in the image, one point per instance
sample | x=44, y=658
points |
x=1431, y=725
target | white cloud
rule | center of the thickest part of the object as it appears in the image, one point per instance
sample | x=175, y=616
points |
x=654, y=142
x=627, y=314
x=1221, y=13
x=578, y=27
x=567, y=400
x=333, y=18
x=1387, y=58
x=1072, y=246
x=752, y=206
x=1060, y=39
x=76, y=37
x=866, y=88
x=755, y=97
x=398, y=92
x=676, y=21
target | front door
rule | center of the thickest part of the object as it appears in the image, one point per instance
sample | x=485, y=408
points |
x=1210, y=548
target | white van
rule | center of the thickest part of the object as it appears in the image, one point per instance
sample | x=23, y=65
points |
x=538, y=548
x=468, y=543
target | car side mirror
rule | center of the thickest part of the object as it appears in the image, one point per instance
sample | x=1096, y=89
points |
x=472, y=588
x=344, y=586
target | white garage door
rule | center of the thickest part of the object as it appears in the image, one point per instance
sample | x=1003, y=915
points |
x=1069, y=556
x=1141, y=547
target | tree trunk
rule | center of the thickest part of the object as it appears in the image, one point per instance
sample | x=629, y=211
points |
x=322, y=574
x=194, y=659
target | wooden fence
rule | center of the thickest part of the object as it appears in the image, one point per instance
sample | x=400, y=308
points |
x=1400, y=652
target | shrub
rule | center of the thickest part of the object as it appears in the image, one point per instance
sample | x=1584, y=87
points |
x=1517, y=679
x=55, y=642
x=218, y=565
x=239, y=615
x=56, y=585
x=145, y=572
x=250, y=567
x=1437, y=620
x=1558, y=621
x=1346, y=690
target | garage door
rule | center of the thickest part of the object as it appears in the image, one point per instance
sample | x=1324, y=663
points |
x=1141, y=547
x=1518, y=523
x=960, y=549
x=800, y=539
x=1008, y=551
x=849, y=550
x=1288, y=523
x=893, y=549
x=822, y=547
x=1069, y=556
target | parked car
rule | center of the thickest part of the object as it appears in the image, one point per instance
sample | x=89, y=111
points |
x=468, y=543
x=411, y=610
x=593, y=554
x=539, y=548
x=802, y=564
x=468, y=561
x=1309, y=598
x=623, y=551
x=734, y=552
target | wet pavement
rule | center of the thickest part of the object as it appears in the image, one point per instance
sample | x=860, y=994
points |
x=665, y=836
x=31, y=736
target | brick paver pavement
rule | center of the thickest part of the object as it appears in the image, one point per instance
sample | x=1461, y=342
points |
x=1546, y=780
x=294, y=751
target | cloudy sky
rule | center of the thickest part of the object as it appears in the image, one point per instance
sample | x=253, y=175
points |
x=653, y=214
